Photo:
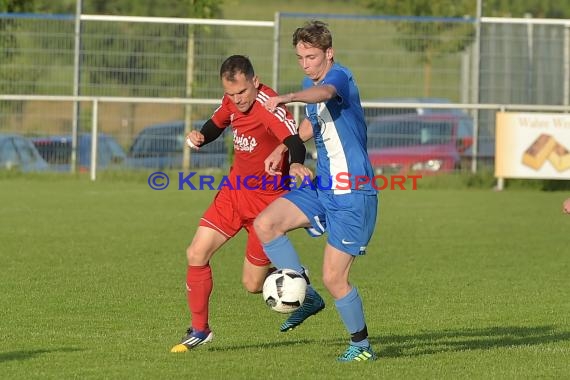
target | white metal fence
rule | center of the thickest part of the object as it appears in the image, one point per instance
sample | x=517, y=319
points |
x=133, y=72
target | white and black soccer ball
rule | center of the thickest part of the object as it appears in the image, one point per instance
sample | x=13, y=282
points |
x=284, y=290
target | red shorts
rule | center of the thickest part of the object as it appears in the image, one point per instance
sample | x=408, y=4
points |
x=233, y=210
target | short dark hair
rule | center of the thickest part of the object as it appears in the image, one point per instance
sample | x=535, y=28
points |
x=234, y=65
x=314, y=33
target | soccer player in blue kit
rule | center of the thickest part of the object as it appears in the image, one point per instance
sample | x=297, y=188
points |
x=334, y=117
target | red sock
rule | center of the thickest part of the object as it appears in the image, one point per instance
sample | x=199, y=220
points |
x=199, y=287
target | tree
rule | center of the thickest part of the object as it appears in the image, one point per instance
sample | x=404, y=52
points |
x=520, y=8
x=134, y=70
x=491, y=8
x=437, y=38
x=133, y=66
x=17, y=6
x=10, y=53
x=441, y=37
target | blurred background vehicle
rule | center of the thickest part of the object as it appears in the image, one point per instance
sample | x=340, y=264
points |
x=391, y=111
x=56, y=150
x=370, y=113
x=423, y=143
x=18, y=153
x=420, y=139
x=161, y=146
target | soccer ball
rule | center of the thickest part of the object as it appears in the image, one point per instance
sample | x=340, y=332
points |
x=284, y=290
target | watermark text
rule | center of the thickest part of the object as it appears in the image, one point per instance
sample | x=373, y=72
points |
x=341, y=181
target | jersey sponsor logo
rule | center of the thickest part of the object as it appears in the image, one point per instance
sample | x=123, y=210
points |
x=244, y=143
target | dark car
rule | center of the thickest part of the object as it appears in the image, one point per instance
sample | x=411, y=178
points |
x=428, y=144
x=161, y=146
x=56, y=150
x=18, y=153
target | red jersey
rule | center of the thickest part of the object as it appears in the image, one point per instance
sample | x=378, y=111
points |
x=256, y=133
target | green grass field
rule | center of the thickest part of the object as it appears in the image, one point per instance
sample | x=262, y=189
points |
x=456, y=284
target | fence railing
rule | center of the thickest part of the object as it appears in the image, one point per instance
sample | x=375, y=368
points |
x=105, y=143
x=135, y=72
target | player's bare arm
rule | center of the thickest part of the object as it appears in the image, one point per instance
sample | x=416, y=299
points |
x=316, y=94
x=305, y=130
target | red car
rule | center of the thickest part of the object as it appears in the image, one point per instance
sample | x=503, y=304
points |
x=424, y=144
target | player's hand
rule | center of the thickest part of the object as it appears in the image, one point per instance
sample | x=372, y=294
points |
x=301, y=171
x=566, y=206
x=272, y=103
x=273, y=161
x=194, y=139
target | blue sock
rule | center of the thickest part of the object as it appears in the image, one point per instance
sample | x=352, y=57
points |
x=282, y=254
x=352, y=314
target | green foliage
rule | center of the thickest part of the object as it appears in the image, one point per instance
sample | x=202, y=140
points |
x=443, y=38
x=129, y=69
x=543, y=184
x=161, y=8
x=213, y=8
x=17, y=6
x=11, y=70
x=461, y=8
x=438, y=8
x=520, y=8
x=144, y=62
x=483, y=179
x=440, y=38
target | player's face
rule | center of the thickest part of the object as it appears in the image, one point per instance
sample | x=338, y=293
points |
x=241, y=91
x=314, y=62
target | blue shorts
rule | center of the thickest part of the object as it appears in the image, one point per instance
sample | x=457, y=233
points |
x=349, y=218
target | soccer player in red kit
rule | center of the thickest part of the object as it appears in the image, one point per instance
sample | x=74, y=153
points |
x=256, y=133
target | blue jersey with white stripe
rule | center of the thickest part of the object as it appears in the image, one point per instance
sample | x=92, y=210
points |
x=339, y=132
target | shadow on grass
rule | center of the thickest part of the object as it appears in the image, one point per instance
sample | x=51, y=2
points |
x=433, y=342
x=30, y=354
x=394, y=346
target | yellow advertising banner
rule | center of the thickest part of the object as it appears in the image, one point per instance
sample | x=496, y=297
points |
x=532, y=145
